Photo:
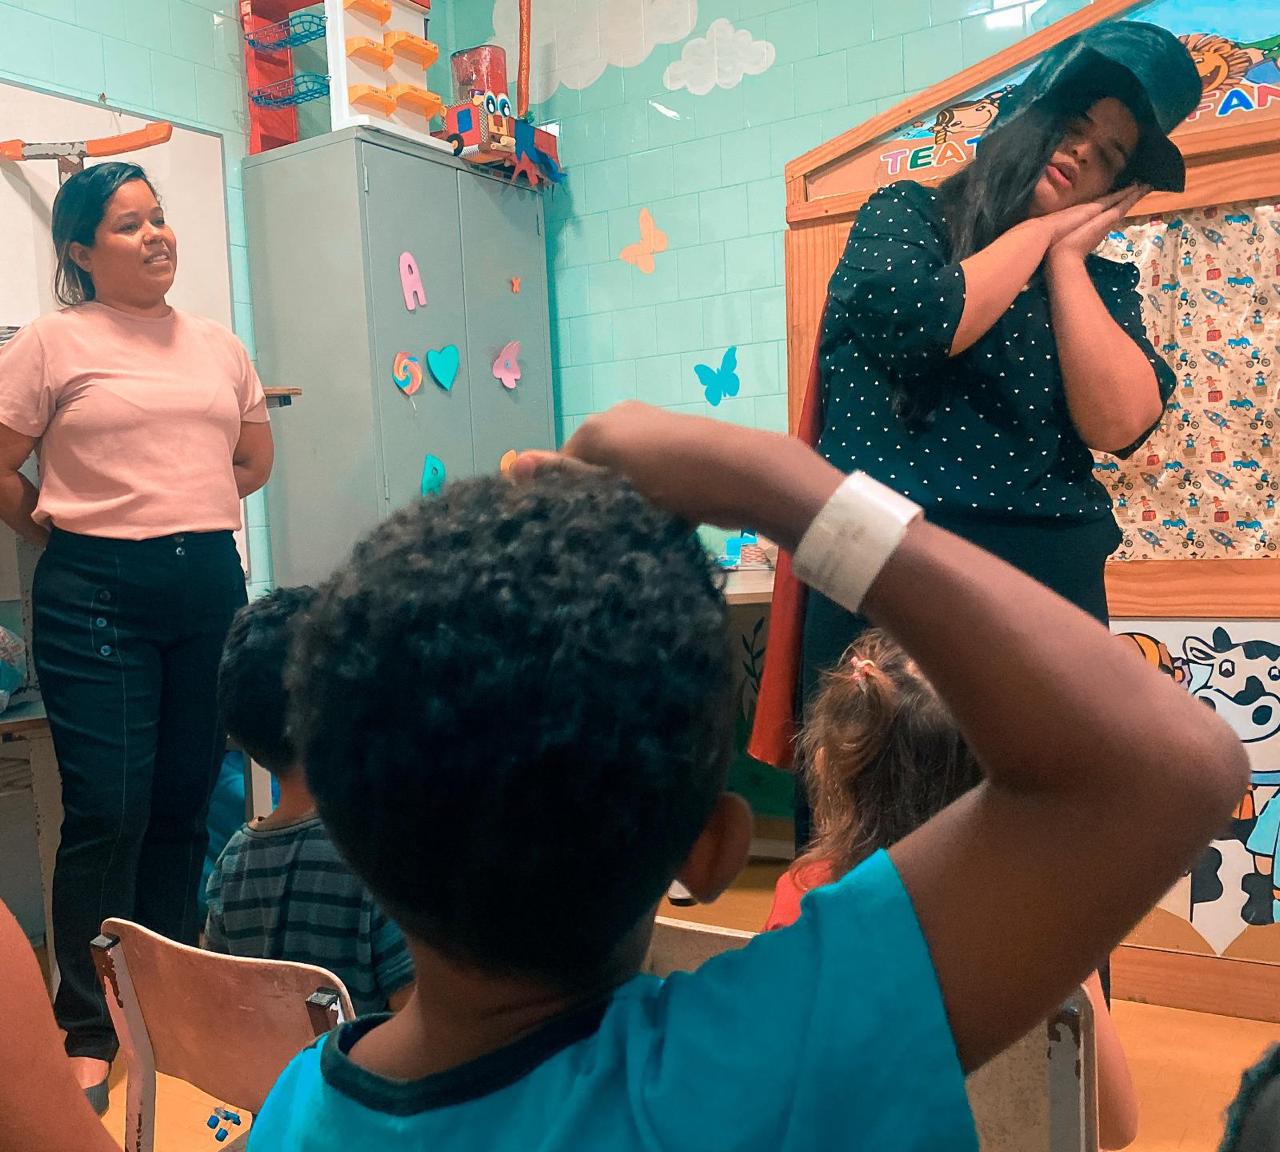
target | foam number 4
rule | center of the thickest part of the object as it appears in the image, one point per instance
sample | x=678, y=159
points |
x=506, y=368
x=415, y=295
x=720, y=382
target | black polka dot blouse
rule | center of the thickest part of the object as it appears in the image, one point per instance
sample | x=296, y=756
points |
x=986, y=434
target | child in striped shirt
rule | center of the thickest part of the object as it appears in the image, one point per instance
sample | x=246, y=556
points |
x=280, y=891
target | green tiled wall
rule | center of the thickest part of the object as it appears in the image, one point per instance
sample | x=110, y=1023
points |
x=178, y=59
x=709, y=168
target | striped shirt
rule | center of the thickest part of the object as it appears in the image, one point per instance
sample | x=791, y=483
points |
x=286, y=894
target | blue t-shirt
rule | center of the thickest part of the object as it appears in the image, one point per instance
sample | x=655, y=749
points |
x=828, y=1034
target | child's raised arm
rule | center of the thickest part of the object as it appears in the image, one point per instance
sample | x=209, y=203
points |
x=1103, y=779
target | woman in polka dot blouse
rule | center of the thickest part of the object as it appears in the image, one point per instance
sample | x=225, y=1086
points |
x=975, y=351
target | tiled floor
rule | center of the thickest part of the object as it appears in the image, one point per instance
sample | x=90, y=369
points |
x=1186, y=1067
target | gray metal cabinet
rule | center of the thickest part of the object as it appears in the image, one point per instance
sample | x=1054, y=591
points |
x=501, y=241
x=327, y=221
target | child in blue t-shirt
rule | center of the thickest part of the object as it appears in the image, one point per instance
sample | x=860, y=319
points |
x=521, y=681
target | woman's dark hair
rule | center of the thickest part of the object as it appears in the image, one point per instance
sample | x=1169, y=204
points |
x=77, y=211
x=993, y=193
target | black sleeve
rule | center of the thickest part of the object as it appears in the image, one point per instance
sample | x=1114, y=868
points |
x=895, y=288
x=1117, y=284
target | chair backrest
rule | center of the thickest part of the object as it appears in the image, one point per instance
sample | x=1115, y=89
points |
x=1041, y=1094
x=1022, y=1101
x=224, y=1024
x=680, y=946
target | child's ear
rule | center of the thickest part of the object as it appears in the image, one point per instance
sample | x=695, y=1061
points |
x=721, y=852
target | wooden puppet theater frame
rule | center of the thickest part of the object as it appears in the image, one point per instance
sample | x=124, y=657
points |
x=1227, y=160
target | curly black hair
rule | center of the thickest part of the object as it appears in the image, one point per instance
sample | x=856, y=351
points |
x=511, y=690
x=251, y=676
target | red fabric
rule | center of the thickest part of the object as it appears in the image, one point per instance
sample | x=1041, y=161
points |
x=790, y=890
x=773, y=731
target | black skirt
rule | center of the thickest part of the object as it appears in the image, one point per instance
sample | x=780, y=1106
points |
x=1069, y=558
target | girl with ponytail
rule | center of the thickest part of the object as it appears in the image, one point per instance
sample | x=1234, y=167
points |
x=880, y=754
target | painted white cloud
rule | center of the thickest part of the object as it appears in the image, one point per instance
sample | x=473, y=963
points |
x=720, y=59
x=572, y=42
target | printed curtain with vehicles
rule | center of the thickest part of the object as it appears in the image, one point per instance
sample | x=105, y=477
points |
x=1205, y=485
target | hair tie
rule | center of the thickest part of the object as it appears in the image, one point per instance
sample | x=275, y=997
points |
x=858, y=670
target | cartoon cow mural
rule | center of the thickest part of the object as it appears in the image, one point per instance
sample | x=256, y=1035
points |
x=1240, y=680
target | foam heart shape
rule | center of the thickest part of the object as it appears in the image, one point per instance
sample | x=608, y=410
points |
x=443, y=364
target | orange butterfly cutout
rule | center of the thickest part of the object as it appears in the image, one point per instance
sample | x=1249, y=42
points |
x=652, y=241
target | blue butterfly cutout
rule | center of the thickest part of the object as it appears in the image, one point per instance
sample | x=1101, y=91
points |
x=721, y=382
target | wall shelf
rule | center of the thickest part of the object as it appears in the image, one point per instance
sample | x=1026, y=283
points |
x=377, y=10
x=410, y=47
x=372, y=97
x=415, y=98
x=299, y=89
x=300, y=28
x=369, y=52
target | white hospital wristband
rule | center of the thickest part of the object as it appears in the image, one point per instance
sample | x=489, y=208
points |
x=852, y=538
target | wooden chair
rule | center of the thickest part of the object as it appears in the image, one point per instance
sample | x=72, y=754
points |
x=1025, y=1101
x=680, y=946
x=226, y=1025
x=1021, y=1100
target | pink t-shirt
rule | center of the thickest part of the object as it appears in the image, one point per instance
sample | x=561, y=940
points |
x=136, y=418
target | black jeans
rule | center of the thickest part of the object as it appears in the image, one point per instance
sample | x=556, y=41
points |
x=127, y=639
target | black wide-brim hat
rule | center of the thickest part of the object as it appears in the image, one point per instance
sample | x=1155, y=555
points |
x=1145, y=67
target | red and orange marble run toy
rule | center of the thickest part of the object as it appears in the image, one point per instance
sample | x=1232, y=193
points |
x=377, y=56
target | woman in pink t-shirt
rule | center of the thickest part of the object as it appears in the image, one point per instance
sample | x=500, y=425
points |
x=149, y=425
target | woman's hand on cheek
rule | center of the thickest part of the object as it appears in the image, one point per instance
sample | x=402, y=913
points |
x=1085, y=226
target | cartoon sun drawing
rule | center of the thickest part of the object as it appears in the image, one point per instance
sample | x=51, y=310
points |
x=1222, y=63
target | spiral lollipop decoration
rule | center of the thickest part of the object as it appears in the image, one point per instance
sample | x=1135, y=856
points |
x=406, y=371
